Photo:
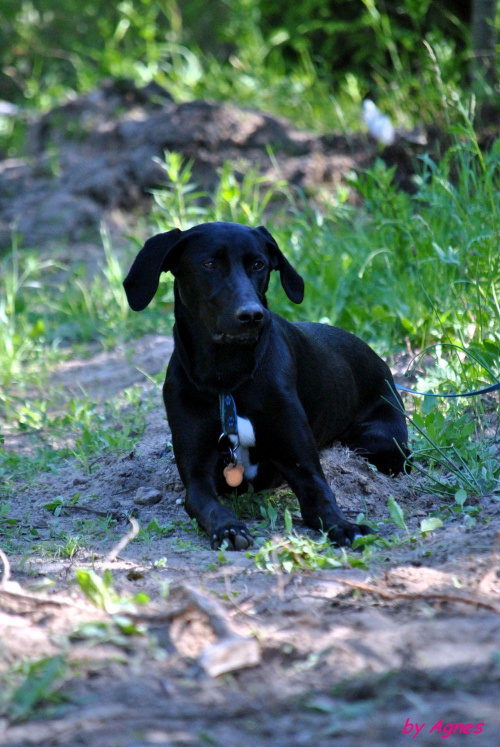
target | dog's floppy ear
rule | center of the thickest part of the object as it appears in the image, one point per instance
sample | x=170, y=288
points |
x=292, y=283
x=156, y=256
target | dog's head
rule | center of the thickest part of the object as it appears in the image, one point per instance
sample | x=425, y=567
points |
x=222, y=272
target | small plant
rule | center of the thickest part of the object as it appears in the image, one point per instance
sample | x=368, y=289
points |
x=70, y=547
x=20, y=333
x=297, y=552
x=115, y=631
x=301, y=553
x=58, y=504
x=98, y=589
x=396, y=514
x=42, y=683
x=154, y=530
x=447, y=450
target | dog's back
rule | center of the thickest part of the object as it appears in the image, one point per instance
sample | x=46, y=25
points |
x=339, y=377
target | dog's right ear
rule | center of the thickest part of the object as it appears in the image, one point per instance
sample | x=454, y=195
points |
x=156, y=256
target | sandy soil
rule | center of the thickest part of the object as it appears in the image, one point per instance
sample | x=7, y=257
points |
x=347, y=654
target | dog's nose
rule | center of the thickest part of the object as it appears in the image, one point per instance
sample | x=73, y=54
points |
x=250, y=314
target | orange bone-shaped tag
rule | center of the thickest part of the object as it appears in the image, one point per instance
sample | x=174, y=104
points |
x=234, y=474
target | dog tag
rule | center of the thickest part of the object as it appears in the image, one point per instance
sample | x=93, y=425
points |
x=234, y=474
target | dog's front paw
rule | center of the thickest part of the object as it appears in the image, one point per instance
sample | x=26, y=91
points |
x=344, y=533
x=235, y=534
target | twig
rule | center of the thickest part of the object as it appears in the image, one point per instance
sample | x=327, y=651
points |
x=231, y=651
x=13, y=590
x=38, y=600
x=390, y=596
x=6, y=570
x=238, y=609
x=114, y=514
x=122, y=544
x=250, y=603
x=216, y=615
x=189, y=598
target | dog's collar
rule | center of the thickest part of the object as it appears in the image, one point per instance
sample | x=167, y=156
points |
x=229, y=441
x=229, y=438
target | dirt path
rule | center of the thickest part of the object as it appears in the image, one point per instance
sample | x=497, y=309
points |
x=348, y=654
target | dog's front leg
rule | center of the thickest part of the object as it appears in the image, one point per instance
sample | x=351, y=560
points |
x=290, y=443
x=218, y=521
x=194, y=440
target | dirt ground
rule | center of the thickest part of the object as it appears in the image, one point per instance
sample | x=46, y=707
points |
x=347, y=655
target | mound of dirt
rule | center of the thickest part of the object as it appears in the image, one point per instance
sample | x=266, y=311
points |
x=94, y=158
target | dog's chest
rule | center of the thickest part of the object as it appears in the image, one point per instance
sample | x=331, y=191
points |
x=246, y=435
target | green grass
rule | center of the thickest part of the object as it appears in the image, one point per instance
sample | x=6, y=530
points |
x=85, y=428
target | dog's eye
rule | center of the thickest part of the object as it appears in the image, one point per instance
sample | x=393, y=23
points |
x=209, y=264
x=258, y=265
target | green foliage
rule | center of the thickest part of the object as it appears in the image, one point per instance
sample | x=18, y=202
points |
x=403, y=266
x=115, y=631
x=458, y=458
x=87, y=429
x=154, y=530
x=58, y=504
x=396, y=513
x=19, y=333
x=44, y=306
x=430, y=524
x=42, y=682
x=98, y=589
x=314, y=62
x=298, y=552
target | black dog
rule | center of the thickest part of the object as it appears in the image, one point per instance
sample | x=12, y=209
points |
x=296, y=387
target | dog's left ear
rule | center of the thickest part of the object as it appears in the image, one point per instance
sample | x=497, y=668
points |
x=156, y=256
x=292, y=283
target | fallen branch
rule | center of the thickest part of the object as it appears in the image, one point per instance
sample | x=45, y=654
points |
x=13, y=590
x=209, y=607
x=431, y=596
x=232, y=651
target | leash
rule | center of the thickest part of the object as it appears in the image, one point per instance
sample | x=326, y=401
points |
x=491, y=388
x=229, y=440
